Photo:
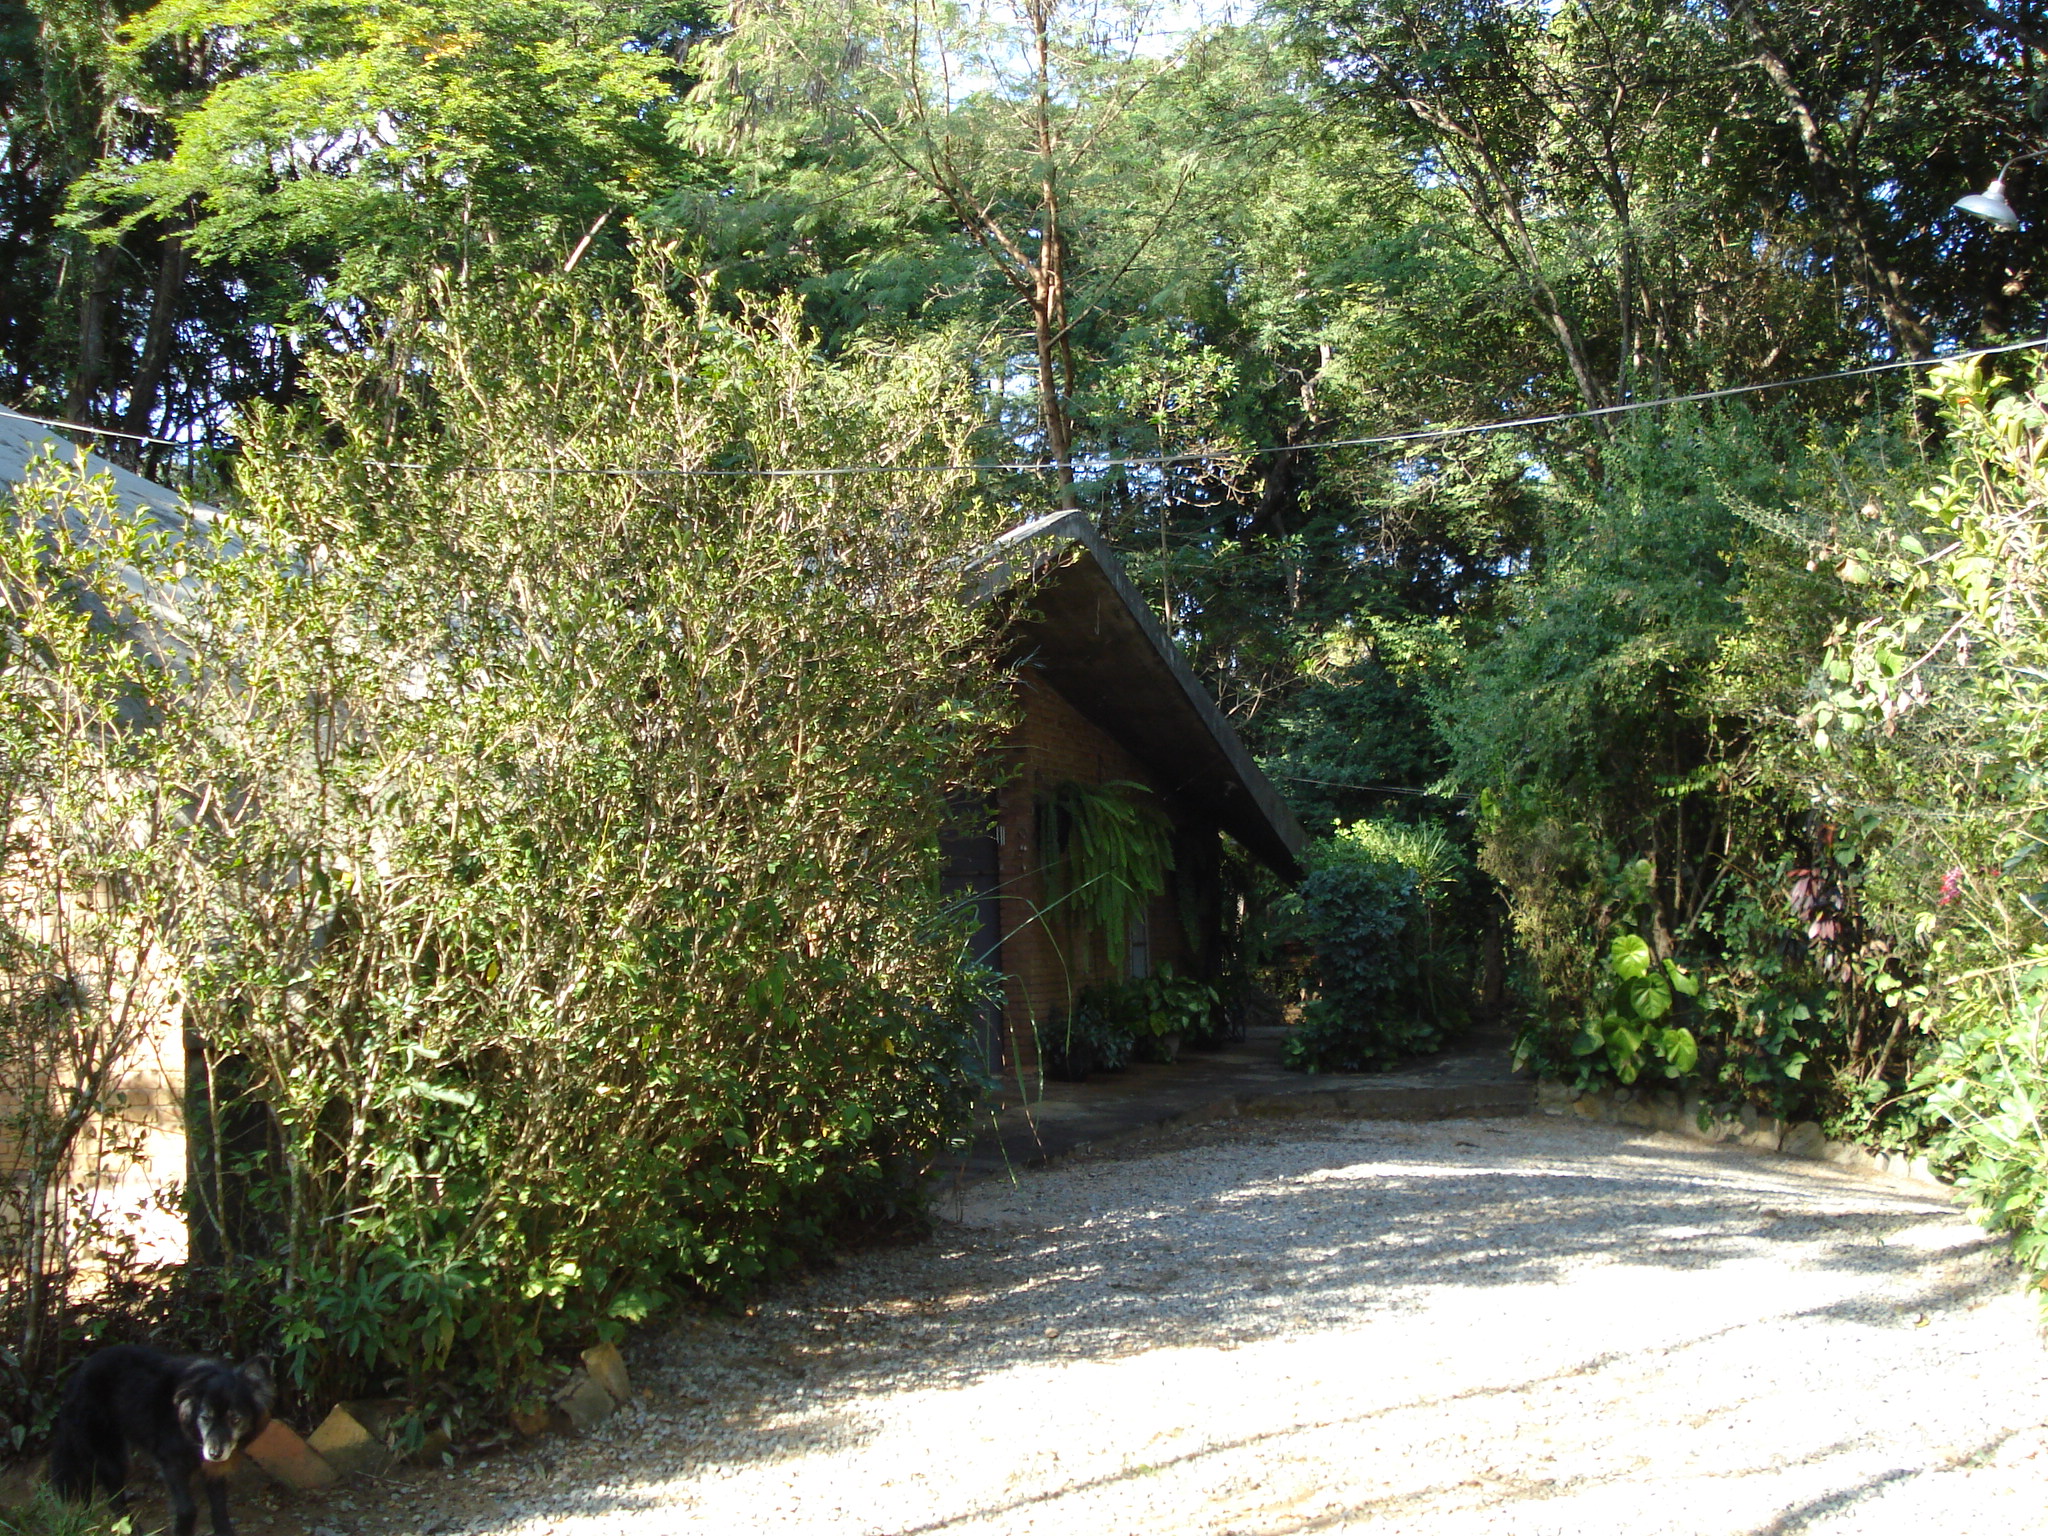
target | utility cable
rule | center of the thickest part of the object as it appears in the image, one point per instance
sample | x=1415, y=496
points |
x=1155, y=461
x=1378, y=789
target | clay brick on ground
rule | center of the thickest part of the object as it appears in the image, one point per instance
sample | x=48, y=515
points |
x=347, y=1445
x=289, y=1460
x=582, y=1405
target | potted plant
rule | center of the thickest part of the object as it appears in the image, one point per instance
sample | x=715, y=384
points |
x=1169, y=1009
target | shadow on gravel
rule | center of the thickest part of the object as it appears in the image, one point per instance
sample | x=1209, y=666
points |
x=1528, y=1498
x=1800, y=1516
x=1098, y=1260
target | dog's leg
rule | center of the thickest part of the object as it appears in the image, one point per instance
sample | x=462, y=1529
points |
x=110, y=1471
x=217, y=1504
x=184, y=1508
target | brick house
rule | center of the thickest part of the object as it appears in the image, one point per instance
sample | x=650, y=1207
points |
x=1103, y=695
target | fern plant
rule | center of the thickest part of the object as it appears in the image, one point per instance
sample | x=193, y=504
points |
x=1108, y=849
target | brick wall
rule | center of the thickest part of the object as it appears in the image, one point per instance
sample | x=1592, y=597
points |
x=1055, y=743
x=133, y=1159
x=120, y=1188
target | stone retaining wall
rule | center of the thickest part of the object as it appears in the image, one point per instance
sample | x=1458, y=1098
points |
x=1661, y=1109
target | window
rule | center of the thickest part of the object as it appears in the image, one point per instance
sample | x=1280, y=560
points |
x=1138, y=950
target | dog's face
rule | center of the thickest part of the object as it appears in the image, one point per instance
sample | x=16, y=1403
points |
x=223, y=1410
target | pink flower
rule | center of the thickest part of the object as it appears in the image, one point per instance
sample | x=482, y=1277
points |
x=1952, y=885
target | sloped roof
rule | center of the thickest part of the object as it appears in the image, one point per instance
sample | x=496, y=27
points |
x=160, y=605
x=1090, y=634
x=1085, y=629
x=22, y=442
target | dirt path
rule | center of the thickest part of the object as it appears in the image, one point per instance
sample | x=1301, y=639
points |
x=1520, y=1326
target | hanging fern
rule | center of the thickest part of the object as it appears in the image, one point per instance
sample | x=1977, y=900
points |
x=1107, y=850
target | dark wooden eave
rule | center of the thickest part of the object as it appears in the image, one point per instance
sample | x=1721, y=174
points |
x=1084, y=628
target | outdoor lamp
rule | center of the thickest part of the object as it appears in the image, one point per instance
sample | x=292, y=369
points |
x=1990, y=203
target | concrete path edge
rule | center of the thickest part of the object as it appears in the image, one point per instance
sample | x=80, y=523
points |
x=1686, y=1115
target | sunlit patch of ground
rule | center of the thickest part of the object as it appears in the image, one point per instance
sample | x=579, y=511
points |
x=1521, y=1326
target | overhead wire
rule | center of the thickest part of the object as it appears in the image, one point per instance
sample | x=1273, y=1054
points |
x=1037, y=466
x=1379, y=789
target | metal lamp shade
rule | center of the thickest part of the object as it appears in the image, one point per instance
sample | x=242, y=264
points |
x=1991, y=204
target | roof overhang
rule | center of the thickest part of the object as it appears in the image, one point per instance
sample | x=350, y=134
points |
x=1088, y=632
x=160, y=604
x=24, y=443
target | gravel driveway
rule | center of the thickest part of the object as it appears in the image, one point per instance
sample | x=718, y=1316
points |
x=1521, y=1326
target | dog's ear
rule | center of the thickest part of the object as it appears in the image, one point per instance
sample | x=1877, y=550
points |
x=257, y=1372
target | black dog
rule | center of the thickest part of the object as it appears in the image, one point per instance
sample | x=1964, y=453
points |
x=184, y=1413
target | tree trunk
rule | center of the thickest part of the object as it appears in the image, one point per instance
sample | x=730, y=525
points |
x=1049, y=307
x=1837, y=196
x=1280, y=490
x=174, y=262
x=1492, y=965
x=1490, y=191
x=92, y=334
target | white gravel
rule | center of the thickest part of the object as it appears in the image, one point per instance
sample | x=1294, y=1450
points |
x=1522, y=1326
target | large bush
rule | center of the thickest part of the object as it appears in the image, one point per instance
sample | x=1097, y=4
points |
x=1683, y=915
x=1760, y=769
x=1925, y=738
x=1387, y=982
x=1575, y=725
x=545, y=807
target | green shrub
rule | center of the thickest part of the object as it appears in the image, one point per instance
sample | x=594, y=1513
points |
x=1093, y=1036
x=1833, y=809
x=1174, y=1007
x=1631, y=1029
x=1575, y=723
x=1357, y=913
x=1367, y=910
x=549, y=857
x=1925, y=732
x=1626, y=731
x=1988, y=1084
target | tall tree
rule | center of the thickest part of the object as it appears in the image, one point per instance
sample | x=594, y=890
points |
x=209, y=189
x=377, y=139
x=1671, y=185
x=1012, y=122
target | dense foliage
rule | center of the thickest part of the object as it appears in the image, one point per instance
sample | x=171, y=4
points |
x=1784, y=849
x=1377, y=912
x=202, y=201
x=548, y=855
x=1672, y=678
x=1926, y=743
